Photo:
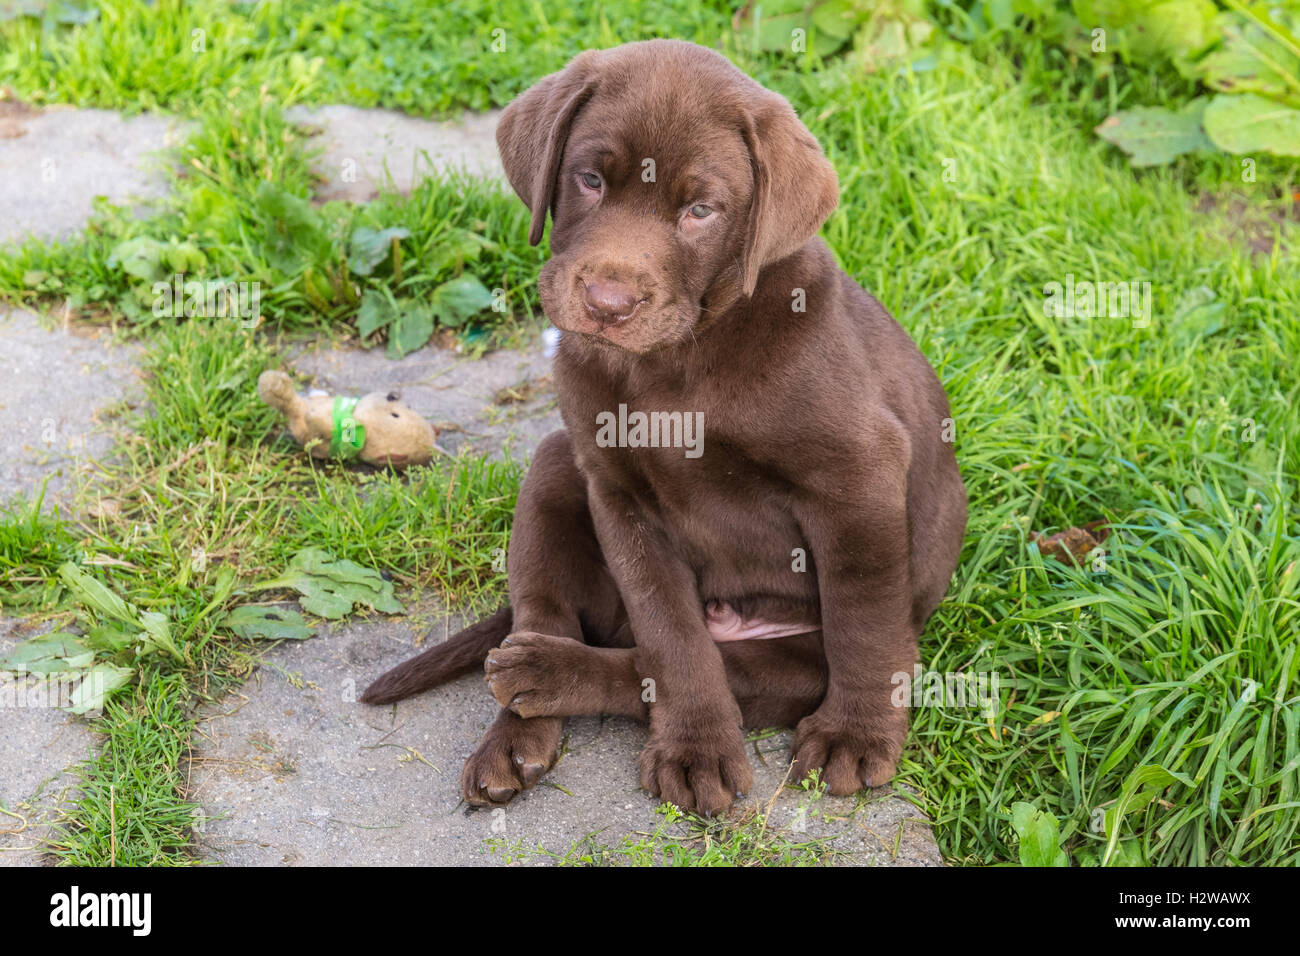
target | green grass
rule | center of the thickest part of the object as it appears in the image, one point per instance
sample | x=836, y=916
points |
x=33, y=543
x=422, y=57
x=130, y=810
x=1157, y=692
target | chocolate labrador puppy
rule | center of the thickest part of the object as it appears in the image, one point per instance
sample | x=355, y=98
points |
x=751, y=511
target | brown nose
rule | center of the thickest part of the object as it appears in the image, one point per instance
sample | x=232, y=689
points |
x=610, y=302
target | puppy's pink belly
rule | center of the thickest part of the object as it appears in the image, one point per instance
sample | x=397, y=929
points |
x=725, y=624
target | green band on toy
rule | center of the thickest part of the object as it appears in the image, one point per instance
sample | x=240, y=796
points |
x=349, y=436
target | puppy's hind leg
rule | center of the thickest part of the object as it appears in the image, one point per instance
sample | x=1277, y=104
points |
x=559, y=588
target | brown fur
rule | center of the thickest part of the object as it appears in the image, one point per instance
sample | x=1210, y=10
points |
x=441, y=662
x=822, y=432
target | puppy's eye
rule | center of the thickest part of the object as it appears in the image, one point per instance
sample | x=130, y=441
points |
x=699, y=211
x=590, y=180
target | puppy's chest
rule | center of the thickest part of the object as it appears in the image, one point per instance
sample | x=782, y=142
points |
x=736, y=530
x=728, y=517
x=685, y=456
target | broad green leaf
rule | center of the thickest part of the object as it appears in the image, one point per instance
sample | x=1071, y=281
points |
x=837, y=18
x=141, y=257
x=773, y=29
x=1252, y=124
x=100, y=599
x=1256, y=57
x=100, y=681
x=295, y=232
x=1153, y=136
x=453, y=249
x=367, y=248
x=268, y=623
x=456, y=300
x=1198, y=314
x=886, y=41
x=156, y=634
x=53, y=653
x=331, y=588
x=1176, y=29
x=410, y=329
x=1143, y=30
x=1040, y=835
x=183, y=257
x=1128, y=853
x=1001, y=14
x=114, y=636
x=375, y=313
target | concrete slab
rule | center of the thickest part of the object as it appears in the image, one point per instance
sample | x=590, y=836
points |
x=37, y=746
x=57, y=160
x=59, y=384
x=294, y=772
x=500, y=404
x=361, y=149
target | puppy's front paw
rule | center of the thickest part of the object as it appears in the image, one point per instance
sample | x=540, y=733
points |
x=702, y=768
x=538, y=675
x=852, y=752
x=512, y=756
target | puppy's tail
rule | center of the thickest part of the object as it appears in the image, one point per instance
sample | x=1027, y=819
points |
x=457, y=655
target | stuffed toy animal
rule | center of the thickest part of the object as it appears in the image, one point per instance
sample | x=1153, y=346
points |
x=376, y=428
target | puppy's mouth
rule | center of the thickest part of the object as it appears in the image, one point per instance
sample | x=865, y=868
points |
x=636, y=317
x=648, y=328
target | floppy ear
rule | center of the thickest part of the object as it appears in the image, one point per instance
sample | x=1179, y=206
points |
x=795, y=188
x=533, y=130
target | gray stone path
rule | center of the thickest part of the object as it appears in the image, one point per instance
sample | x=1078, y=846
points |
x=37, y=745
x=57, y=160
x=290, y=769
x=60, y=386
x=363, y=149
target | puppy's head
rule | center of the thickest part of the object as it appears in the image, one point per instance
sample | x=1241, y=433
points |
x=672, y=179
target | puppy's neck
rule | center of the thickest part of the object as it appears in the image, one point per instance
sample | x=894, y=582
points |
x=783, y=290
